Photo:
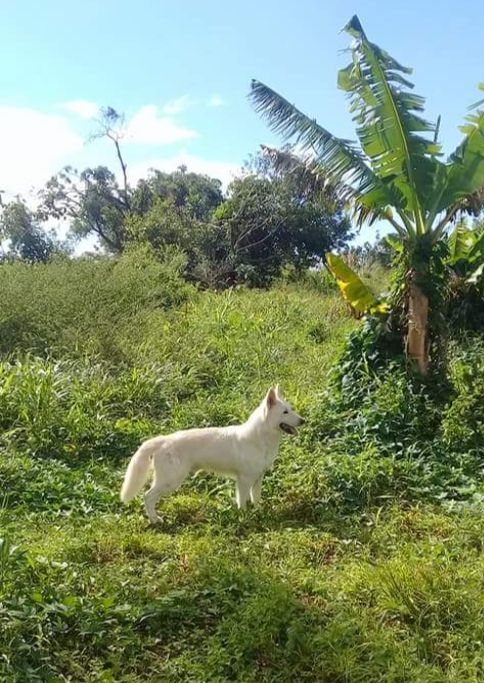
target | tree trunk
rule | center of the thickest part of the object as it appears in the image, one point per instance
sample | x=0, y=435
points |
x=417, y=335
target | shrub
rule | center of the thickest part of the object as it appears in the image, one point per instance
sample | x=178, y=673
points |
x=79, y=408
x=81, y=305
x=390, y=434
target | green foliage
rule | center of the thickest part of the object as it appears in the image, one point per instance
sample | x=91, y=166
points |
x=76, y=409
x=171, y=369
x=97, y=205
x=426, y=433
x=269, y=222
x=466, y=250
x=466, y=263
x=26, y=239
x=92, y=200
x=198, y=194
x=84, y=304
x=364, y=561
x=463, y=422
x=395, y=175
x=166, y=225
x=319, y=280
x=90, y=593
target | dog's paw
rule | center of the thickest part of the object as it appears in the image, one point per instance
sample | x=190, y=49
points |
x=155, y=521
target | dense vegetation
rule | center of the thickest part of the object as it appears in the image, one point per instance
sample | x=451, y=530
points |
x=364, y=561
x=266, y=220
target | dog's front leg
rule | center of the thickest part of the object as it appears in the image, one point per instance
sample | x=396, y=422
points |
x=242, y=492
x=255, y=491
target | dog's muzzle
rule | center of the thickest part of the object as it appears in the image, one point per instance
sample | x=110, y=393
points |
x=289, y=429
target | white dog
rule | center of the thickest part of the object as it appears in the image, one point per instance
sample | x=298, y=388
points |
x=242, y=452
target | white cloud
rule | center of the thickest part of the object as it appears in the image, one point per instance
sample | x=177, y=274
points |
x=225, y=171
x=33, y=145
x=177, y=105
x=83, y=108
x=215, y=101
x=149, y=127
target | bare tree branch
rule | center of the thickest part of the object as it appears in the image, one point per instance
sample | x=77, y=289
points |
x=111, y=126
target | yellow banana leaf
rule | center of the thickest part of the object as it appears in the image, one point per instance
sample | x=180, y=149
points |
x=355, y=292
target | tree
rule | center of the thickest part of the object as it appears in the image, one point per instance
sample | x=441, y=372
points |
x=95, y=203
x=27, y=240
x=314, y=220
x=167, y=225
x=397, y=174
x=271, y=221
x=176, y=209
x=111, y=126
x=196, y=192
x=267, y=220
x=92, y=200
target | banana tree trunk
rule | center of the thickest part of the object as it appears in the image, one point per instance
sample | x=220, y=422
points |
x=417, y=331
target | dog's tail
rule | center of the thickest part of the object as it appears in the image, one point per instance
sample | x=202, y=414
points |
x=137, y=472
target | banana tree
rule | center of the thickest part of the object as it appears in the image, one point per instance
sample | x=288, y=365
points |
x=396, y=174
x=466, y=251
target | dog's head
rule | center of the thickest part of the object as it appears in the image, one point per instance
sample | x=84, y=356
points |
x=279, y=412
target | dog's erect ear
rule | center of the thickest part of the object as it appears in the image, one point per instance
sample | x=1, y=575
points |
x=271, y=398
x=279, y=391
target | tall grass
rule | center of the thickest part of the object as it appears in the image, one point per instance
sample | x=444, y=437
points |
x=68, y=306
x=208, y=362
x=365, y=560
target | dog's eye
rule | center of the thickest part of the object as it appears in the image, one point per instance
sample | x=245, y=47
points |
x=286, y=412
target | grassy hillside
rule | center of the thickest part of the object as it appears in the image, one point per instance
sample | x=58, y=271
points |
x=364, y=561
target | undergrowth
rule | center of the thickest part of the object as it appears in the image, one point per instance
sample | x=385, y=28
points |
x=364, y=561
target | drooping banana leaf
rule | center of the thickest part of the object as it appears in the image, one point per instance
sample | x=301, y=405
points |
x=355, y=292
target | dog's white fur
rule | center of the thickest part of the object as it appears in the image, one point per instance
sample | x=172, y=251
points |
x=242, y=452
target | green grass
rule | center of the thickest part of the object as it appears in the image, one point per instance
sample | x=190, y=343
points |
x=280, y=593
x=351, y=571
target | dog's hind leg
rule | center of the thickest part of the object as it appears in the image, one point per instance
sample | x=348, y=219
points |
x=151, y=498
x=242, y=492
x=164, y=483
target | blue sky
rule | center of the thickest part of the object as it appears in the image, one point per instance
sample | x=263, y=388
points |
x=181, y=72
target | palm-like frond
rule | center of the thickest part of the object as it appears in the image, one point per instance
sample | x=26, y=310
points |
x=341, y=160
x=338, y=160
x=466, y=167
x=388, y=123
x=462, y=186
x=398, y=165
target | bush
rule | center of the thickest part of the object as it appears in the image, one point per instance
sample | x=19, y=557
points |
x=82, y=305
x=207, y=363
x=78, y=409
x=463, y=421
x=392, y=434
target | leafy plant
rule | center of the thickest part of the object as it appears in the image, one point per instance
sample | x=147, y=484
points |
x=466, y=251
x=466, y=264
x=396, y=175
x=356, y=293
